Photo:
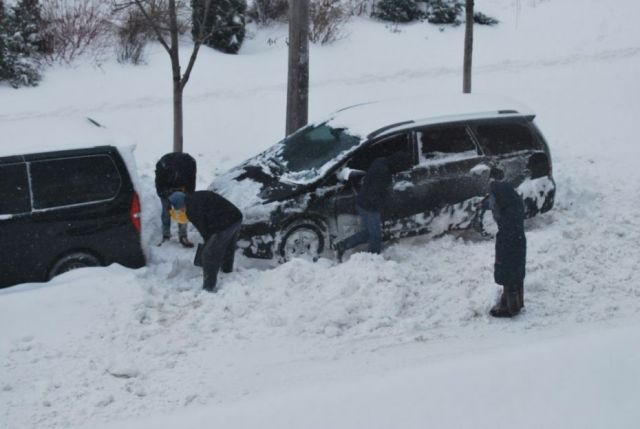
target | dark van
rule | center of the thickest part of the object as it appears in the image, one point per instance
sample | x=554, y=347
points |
x=295, y=203
x=64, y=210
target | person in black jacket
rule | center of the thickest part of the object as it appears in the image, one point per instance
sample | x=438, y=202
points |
x=218, y=221
x=371, y=199
x=175, y=171
x=511, y=247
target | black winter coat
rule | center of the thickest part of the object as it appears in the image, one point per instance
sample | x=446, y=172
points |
x=376, y=185
x=511, y=243
x=175, y=171
x=211, y=213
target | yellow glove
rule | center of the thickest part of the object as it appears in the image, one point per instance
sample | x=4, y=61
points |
x=179, y=216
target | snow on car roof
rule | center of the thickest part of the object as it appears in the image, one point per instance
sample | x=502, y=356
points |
x=46, y=134
x=363, y=119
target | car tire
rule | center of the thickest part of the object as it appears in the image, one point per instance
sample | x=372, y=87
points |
x=302, y=239
x=73, y=261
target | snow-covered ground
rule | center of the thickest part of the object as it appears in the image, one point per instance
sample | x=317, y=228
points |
x=398, y=340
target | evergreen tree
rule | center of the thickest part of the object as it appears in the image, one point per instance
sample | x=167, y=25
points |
x=225, y=24
x=444, y=11
x=27, y=21
x=397, y=10
x=17, y=63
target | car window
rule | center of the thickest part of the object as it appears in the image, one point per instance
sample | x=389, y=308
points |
x=443, y=141
x=504, y=138
x=311, y=148
x=363, y=158
x=14, y=189
x=78, y=180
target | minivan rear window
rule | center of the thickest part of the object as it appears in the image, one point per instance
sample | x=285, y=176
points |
x=14, y=188
x=70, y=181
x=504, y=138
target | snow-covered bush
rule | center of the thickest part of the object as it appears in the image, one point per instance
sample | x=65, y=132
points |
x=133, y=34
x=326, y=20
x=74, y=28
x=264, y=12
x=482, y=19
x=134, y=29
x=19, y=38
x=224, y=27
x=359, y=7
x=397, y=10
x=444, y=11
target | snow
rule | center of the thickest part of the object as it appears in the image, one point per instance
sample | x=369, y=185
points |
x=401, y=339
x=428, y=108
x=43, y=134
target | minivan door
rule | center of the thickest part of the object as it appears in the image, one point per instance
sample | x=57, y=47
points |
x=450, y=173
x=400, y=203
x=17, y=248
x=509, y=143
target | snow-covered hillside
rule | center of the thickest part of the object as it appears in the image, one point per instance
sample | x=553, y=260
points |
x=398, y=340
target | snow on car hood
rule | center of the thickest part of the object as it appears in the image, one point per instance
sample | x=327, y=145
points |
x=254, y=187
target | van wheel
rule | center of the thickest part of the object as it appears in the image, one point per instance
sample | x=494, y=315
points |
x=73, y=261
x=302, y=239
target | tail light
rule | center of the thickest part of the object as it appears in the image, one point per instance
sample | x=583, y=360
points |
x=136, y=212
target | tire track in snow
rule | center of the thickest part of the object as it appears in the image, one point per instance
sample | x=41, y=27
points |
x=508, y=65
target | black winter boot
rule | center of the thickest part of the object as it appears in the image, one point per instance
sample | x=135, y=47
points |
x=513, y=301
x=340, y=251
x=501, y=305
x=509, y=304
x=520, y=288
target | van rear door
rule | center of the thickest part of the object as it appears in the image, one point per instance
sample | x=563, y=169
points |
x=17, y=245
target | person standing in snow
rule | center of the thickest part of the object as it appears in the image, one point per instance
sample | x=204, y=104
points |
x=371, y=199
x=511, y=245
x=175, y=171
x=218, y=221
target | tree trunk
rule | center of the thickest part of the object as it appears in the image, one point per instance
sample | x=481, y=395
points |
x=177, y=117
x=468, y=48
x=298, y=73
x=174, y=53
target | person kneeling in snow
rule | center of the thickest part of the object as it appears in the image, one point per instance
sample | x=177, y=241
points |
x=218, y=221
x=511, y=245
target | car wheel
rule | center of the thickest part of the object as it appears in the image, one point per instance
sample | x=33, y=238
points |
x=303, y=239
x=71, y=262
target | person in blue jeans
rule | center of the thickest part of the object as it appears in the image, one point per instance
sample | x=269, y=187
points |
x=371, y=198
x=175, y=171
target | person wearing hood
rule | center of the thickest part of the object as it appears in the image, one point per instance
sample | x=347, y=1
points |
x=218, y=221
x=175, y=171
x=371, y=198
x=511, y=245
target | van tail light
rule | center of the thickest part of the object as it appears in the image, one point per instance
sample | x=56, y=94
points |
x=136, y=212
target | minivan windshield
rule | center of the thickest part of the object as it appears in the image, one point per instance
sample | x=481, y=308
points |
x=305, y=155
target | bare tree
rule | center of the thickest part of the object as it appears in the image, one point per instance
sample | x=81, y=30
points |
x=468, y=48
x=171, y=46
x=298, y=74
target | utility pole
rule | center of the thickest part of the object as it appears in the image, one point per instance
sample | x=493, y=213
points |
x=298, y=71
x=468, y=48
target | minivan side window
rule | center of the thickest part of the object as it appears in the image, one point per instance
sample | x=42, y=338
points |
x=362, y=159
x=69, y=181
x=497, y=139
x=14, y=188
x=440, y=141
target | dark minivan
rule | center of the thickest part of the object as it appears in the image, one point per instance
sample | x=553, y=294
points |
x=66, y=209
x=295, y=203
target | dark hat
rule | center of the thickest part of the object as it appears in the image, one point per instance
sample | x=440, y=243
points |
x=177, y=200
